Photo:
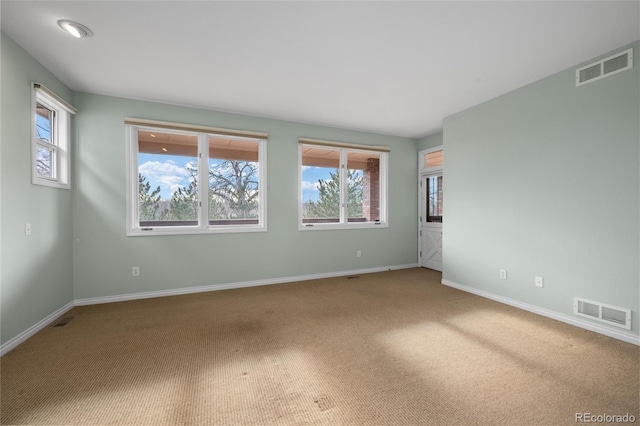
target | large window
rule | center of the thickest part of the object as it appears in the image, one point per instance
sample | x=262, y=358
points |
x=50, y=142
x=191, y=179
x=342, y=185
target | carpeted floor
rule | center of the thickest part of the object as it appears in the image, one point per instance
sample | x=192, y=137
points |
x=391, y=348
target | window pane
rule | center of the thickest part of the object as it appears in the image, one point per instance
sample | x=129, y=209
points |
x=363, y=181
x=44, y=120
x=167, y=179
x=433, y=159
x=320, y=185
x=434, y=199
x=233, y=181
x=45, y=161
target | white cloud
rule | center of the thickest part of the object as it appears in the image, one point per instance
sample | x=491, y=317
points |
x=167, y=174
x=309, y=186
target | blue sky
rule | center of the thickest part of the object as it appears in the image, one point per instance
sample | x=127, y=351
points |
x=43, y=127
x=310, y=177
x=170, y=173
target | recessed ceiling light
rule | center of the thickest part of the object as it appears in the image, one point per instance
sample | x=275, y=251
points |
x=75, y=29
x=165, y=149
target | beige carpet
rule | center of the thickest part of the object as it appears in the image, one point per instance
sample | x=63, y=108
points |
x=391, y=348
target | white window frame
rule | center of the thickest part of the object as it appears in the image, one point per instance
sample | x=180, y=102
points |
x=345, y=148
x=422, y=168
x=60, y=137
x=203, y=134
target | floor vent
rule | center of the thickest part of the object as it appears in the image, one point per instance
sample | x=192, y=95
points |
x=352, y=277
x=605, y=67
x=64, y=321
x=613, y=315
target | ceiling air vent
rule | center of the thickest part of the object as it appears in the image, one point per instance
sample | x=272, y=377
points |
x=605, y=67
x=612, y=315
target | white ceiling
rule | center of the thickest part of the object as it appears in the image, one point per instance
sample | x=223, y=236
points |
x=390, y=67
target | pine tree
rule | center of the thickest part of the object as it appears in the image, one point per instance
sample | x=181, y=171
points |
x=183, y=204
x=328, y=204
x=149, y=203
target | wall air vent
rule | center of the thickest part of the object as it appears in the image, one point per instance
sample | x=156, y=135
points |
x=605, y=67
x=608, y=314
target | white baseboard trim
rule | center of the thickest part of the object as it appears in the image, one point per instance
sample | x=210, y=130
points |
x=620, y=335
x=11, y=344
x=20, y=338
x=216, y=287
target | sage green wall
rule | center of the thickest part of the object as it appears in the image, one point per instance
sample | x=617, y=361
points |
x=104, y=255
x=36, y=271
x=541, y=181
x=544, y=181
x=430, y=141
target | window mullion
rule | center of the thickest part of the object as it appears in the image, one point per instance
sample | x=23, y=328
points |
x=134, y=197
x=344, y=187
x=56, y=143
x=191, y=157
x=203, y=180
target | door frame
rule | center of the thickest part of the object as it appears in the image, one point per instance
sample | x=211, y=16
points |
x=428, y=229
x=422, y=172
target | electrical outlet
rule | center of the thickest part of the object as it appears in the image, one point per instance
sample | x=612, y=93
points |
x=503, y=274
x=358, y=253
x=539, y=282
x=135, y=271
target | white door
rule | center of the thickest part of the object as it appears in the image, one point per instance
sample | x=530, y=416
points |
x=431, y=221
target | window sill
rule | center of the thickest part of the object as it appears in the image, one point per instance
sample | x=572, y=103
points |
x=144, y=232
x=50, y=183
x=343, y=226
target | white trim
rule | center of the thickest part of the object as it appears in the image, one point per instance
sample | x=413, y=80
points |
x=628, y=52
x=337, y=226
x=51, y=94
x=325, y=143
x=133, y=228
x=597, y=328
x=343, y=223
x=228, y=286
x=422, y=172
x=600, y=305
x=22, y=337
x=169, y=125
x=61, y=137
x=422, y=168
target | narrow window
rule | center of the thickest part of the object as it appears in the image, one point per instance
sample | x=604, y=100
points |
x=434, y=199
x=433, y=159
x=50, y=141
x=363, y=183
x=321, y=192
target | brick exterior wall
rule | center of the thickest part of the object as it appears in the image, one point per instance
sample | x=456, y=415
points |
x=371, y=189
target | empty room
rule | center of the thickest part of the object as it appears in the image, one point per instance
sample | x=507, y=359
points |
x=320, y=213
